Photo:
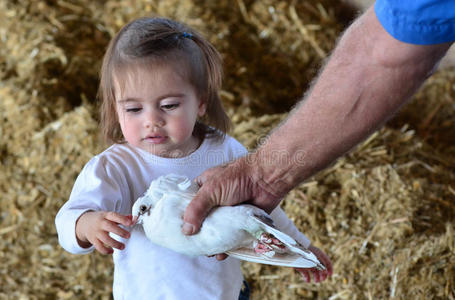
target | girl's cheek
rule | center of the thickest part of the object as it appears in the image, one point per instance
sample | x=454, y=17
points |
x=126, y=119
x=121, y=116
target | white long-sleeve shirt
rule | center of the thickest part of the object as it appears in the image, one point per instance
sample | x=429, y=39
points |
x=112, y=181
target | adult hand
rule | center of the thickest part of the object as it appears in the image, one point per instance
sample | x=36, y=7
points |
x=228, y=185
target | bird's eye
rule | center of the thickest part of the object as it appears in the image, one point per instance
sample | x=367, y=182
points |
x=142, y=208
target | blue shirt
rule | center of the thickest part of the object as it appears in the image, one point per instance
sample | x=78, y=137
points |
x=422, y=22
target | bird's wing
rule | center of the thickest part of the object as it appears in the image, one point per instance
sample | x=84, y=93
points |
x=297, y=257
x=279, y=259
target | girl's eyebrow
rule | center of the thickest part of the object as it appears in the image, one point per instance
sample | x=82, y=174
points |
x=170, y=95
x=128, y=100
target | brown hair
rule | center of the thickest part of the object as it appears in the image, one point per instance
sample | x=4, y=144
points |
x=163, y=41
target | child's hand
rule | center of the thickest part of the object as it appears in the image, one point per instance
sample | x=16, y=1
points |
x=93, y=227
x=317, y=274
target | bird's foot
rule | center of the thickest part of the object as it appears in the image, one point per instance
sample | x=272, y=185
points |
x=268, y=245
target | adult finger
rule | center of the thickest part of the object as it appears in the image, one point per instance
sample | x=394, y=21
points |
x=196, y=211
x=209, y=173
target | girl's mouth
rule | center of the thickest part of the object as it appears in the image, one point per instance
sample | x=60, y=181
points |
x=156, y=139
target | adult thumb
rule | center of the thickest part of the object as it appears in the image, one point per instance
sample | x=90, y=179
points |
x=196, y=212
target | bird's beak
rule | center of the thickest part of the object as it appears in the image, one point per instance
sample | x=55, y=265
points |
x=135, y=220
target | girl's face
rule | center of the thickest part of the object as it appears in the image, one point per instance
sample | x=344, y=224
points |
x=157, y=110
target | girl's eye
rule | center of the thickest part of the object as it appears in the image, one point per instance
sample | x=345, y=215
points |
x=133, y=110
x=169, y=106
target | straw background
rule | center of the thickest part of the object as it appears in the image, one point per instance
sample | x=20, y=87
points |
x=385, y=212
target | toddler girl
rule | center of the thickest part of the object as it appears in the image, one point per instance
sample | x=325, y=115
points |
x=161, y=110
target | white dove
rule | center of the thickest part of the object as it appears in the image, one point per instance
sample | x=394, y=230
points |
x=243, y=231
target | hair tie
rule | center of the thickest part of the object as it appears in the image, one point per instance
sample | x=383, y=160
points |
x=187, y=35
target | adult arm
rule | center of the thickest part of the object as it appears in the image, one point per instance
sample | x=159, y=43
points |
x=366, y=80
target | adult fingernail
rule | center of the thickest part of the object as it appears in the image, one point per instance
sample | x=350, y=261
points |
x=188, y=228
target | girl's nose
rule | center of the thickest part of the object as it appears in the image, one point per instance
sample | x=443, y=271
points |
x=154, y=120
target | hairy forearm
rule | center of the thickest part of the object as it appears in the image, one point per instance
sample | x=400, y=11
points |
x=368, y=77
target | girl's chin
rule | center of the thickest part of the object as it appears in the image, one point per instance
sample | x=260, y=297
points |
x=163, y=147
x=163, y=152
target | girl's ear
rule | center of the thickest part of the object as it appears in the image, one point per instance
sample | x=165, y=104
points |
x=202, y=108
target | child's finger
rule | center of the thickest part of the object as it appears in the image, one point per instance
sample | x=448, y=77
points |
x=108, y=241
x=324, y=275
x=221, y=256
x=323, y=258
x=305, y=274
x=109, y=226
x=101, y=247
x=326, y=262
x=315, y=274
x=118, y=218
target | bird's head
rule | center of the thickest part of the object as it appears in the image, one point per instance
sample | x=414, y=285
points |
x=141, y=208
x=164, y=185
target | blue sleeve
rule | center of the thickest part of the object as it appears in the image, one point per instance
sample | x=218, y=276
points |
x=422, y=22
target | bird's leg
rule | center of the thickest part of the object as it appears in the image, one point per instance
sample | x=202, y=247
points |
x=267, y=244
